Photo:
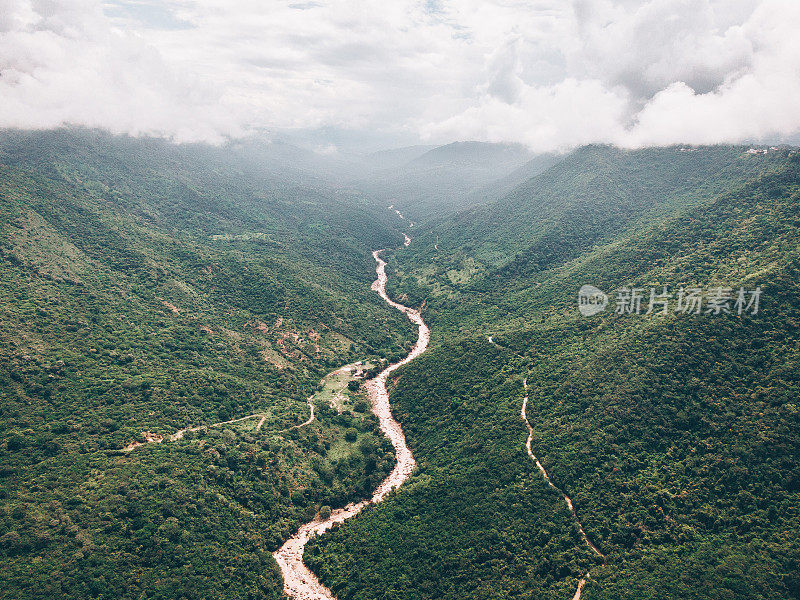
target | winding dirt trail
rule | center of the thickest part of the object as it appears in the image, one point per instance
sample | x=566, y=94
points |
x=563, y=494
x=299, y=582
x=547, y=477
x=157, y=439
x=151, y=438
x=543, y=471
x=308, y=421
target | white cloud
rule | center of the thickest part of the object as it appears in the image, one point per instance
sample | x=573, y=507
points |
x=754, y=103
x=543, y=72
x=66, y=63
x=556, y=117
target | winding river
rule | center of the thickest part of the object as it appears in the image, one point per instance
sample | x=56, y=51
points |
x=299, y=582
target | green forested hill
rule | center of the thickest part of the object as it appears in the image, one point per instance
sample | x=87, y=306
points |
x=675, y=435
x=148, y=287
x=594, y=196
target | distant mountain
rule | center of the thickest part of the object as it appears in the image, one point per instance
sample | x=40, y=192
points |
x=445, y=178
x=394, y=158
x=500, y=187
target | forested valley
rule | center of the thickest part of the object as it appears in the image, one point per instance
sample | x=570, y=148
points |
x=169, y=314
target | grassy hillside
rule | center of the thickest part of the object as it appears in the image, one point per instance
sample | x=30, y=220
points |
x=675, y=435
x=146, y=288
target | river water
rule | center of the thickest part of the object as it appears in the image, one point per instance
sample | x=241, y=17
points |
x=299, y=582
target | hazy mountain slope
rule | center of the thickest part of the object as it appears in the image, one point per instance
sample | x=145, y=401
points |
x=147, y=288
x=441, y=180
x=501, y=187
x=675, y=436
x=393, y=158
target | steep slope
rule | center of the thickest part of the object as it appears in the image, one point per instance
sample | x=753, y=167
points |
x=592, y=196
x=674, y=435
x=147, y=288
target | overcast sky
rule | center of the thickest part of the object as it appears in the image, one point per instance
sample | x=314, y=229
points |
x=551, y=74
